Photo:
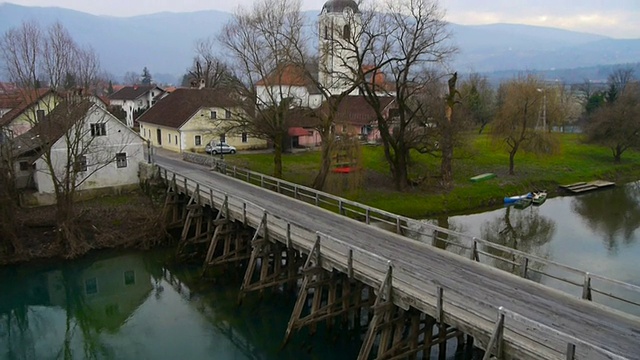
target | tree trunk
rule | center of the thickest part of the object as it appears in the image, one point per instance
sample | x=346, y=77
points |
x=401, y=172
x=277, y=156
x=447, y=161
x=512, y=155
x=325, y=167
x=69, y=234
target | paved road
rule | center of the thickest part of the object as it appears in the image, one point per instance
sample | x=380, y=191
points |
x=596, y=324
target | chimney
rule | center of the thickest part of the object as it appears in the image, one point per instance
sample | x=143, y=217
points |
x=201, y=85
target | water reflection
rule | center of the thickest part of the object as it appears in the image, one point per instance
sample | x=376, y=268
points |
x=67, y=309
x=525, y=230
x=131, y=306
x=613, y=215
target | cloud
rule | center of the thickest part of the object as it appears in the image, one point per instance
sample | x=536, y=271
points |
x=617, y=19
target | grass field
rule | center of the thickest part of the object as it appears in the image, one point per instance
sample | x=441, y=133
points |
x=575, y=162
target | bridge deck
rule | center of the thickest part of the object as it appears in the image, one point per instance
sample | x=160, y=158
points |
x=473, y=291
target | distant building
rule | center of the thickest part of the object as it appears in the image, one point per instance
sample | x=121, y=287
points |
x=135, y=99
x=188, y=119
x=21, y=109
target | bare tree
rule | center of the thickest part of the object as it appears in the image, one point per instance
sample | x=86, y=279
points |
x=260, y=42
x=518, y=114
x=403, y=40
x=131, y=78
x=617, y=124
x=67, y=140
x=208, y=67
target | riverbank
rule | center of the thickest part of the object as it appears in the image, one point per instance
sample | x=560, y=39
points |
x=126, y=221
x=576, y=162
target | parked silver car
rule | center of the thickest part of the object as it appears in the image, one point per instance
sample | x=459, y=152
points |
x=219, y=148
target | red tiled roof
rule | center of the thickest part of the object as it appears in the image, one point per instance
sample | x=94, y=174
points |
x=6, y=88
x=22, y=100
x=355, y=110
x=131, y=92
x=291, y=75
x=179, y=106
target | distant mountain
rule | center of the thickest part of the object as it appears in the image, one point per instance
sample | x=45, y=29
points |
x=164, y=42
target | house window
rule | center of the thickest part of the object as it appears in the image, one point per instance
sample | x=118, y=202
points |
x=91, y=286
x=227, y=114
x=198, y=140
x=39, y=115
x=129, y=277
x=223, y=137
x=214, y=114
x=99, y=129
x=24, y=166
x=121, y=160
x=169, y=138
x=175, y=137
x=80, y=164
x=346, y=32
x=245, y=137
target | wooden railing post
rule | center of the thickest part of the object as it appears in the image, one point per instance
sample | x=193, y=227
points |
x=440, y=304
x=571, y=351
x=398, y=225
x=586, y=287
x=496, y=338
x=368, y=216
x=474, y=252
x=525, y=267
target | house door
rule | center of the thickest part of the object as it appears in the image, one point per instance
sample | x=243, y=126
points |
x=159, y=132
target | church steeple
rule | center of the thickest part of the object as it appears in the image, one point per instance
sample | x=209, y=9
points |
x=340, y=23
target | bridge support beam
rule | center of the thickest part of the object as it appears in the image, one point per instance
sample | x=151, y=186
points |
x=270, y=264
x=173, y=211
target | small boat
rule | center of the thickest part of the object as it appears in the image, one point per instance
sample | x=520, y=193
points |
x=539, y=197
x=514, y=199
x=523, y=203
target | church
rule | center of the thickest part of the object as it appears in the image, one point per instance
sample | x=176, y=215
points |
x=339, y=26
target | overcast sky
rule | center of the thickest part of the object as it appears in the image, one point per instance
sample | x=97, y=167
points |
x=615, y=18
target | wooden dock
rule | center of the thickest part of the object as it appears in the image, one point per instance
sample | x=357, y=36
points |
x=506, y=313
x=581, y=187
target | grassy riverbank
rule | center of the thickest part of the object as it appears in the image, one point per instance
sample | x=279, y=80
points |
x=576, y=162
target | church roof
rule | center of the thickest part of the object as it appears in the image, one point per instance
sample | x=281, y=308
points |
x=333, y=6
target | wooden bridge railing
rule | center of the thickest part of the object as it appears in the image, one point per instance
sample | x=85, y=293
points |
x=519, y=336
x=614, y=293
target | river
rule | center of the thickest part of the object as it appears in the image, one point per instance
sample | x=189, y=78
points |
x=134, y=305
x=598, y=232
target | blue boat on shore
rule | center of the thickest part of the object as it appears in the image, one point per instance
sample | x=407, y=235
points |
x=513, y=199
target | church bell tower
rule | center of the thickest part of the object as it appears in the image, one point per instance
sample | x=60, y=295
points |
x=340, y=25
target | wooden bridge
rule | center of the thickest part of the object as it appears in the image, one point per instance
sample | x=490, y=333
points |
x=398, y=282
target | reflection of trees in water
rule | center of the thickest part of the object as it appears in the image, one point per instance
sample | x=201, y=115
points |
x=614, y=214
x=524, y=230
x=422, y=232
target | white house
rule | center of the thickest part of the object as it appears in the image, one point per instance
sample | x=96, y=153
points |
x=108, y=157
x=136, y=98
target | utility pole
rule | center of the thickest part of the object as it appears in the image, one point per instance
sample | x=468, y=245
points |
x=544, y=108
